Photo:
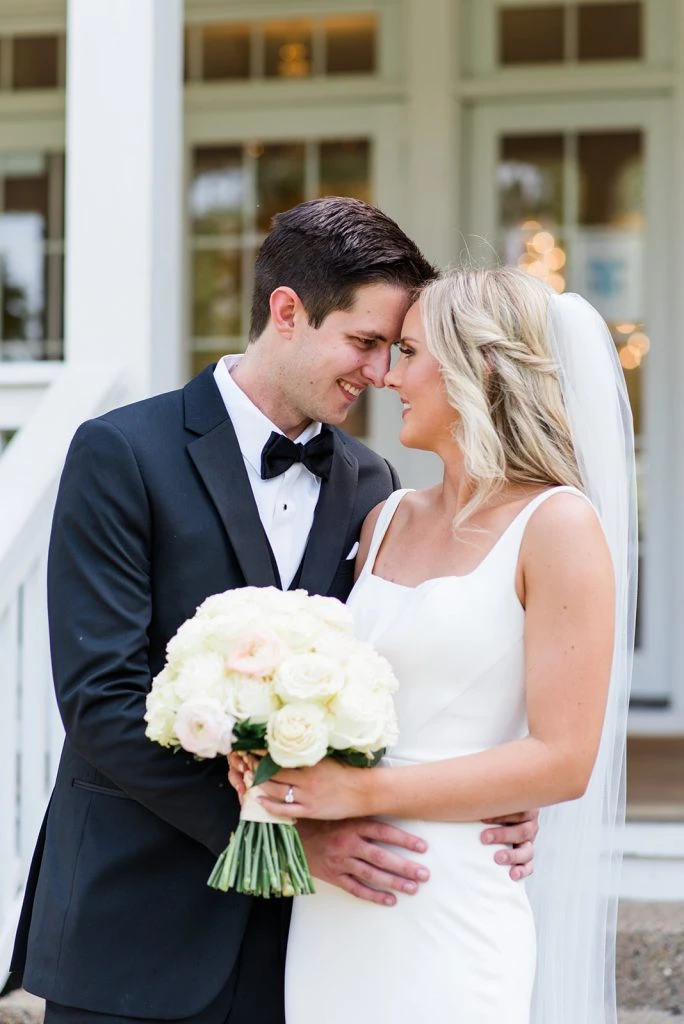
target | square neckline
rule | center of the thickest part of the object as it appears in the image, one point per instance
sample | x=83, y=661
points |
x=467, y=575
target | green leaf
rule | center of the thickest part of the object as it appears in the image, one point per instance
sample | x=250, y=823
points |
x=266, y=770
x=249, y=736
x=358, y=760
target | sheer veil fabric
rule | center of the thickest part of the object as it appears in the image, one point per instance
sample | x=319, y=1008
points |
x=574, y=889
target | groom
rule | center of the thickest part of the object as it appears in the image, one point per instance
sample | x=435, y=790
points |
x=160, y=504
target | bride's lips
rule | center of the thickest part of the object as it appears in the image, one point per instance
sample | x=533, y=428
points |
x=349, y=389
x=406, y=407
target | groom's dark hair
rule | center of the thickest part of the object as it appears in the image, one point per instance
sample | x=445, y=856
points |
x=325, y=249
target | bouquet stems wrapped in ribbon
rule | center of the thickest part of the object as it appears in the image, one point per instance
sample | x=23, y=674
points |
x=260, y=669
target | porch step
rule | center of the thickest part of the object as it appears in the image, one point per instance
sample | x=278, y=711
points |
x=653, y=866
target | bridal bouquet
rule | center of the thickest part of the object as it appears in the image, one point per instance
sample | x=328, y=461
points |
x=280, y=674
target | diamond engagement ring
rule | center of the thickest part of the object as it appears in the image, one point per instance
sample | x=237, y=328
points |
x=289, y=796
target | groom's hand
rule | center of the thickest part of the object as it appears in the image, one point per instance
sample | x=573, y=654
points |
x=518, y=832
x=347, y=854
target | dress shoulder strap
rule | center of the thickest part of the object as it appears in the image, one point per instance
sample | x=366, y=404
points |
x=381, y=526
x=511, y=539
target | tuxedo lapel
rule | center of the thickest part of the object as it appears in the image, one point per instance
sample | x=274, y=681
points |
x=219, y=461
x=325, y=548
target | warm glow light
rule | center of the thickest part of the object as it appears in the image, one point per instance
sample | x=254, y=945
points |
x=557, y=282
x=630, y=357
x=639, y=341
x=293, y=62
x=527, y=259
x=543, y=242
x=537, y=269
x=531, y=225
x=556, y=259
x=625, y=328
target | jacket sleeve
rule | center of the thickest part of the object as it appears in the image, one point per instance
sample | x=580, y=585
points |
x=99, y=605
x=396, y=482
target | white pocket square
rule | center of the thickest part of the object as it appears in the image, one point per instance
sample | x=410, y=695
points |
x=352, y=553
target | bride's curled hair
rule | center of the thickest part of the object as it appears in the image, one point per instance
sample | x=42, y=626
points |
x=488, y=330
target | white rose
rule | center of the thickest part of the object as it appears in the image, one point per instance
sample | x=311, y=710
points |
x=365, y=666
x=189, y=639
x=251, y=698
x=308, y=677
x=333, y=613
x=204, y=728
x=297, y=735
x=201, y=675
x=161, y=704
x=298, y=628
x=362, y=719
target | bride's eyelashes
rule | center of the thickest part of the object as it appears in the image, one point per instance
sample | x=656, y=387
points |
x=404, y=349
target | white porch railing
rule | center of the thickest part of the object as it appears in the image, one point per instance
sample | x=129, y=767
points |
x=30, y=729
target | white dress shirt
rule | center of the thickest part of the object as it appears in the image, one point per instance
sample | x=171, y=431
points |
x=286, y=503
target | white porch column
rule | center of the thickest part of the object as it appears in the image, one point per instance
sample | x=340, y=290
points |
x=124, y=187
x=432, y=45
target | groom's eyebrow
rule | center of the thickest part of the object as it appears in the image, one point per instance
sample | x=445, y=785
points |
x=370, y=335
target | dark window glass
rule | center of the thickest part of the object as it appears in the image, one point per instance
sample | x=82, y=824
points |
x=225, y=52
x=345, y=169
x=217, y=190
x=609, y=31
x=35, y=62
x=530, y=179
x=280, y=180
x=350, y=45
x=531, y=35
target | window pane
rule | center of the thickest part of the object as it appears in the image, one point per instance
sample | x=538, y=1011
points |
x=199, y=360
x=288, y=48
x=35, y=62
x=22, y=285
x=225, y=51
x=28, y=195
x=531, y=35
x=609, y=31
x=280, y=180
x=350, y=45
x=217, y=190
x=345, y=169
x=530, y=179
x=216, y=293
x=611, y=178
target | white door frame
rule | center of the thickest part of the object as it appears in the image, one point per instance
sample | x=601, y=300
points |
x=654, y=663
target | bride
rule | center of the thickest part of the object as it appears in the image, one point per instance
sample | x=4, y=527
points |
x=504, y=599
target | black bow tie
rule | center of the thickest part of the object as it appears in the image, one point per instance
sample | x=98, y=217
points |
x=279, y=453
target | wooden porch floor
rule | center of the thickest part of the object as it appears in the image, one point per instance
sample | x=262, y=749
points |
x=655, y=779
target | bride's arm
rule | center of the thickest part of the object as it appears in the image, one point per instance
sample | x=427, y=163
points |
x=567, y=586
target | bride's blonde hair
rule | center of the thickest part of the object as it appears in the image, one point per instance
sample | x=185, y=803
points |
x=488, y=330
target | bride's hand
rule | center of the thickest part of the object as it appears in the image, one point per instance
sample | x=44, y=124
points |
x=329, y=791
x=241, y=768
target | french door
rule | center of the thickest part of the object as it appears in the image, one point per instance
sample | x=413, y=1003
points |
x=576, y=193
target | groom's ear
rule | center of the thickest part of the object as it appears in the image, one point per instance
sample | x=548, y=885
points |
x=286, y=307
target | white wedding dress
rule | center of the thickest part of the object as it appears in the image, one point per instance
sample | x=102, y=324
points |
x=462, y=950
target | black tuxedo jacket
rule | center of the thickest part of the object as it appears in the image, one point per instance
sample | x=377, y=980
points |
x=154, y=513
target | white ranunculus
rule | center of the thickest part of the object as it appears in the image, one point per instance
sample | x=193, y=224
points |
x=202, y=675
x=333, y=612
x=362, y=719
x=247, y=697
x=308, y=677
x=204, y=728
x=258, y=652
x=297, y=735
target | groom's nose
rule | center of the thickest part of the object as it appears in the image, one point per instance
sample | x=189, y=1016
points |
x=376, y=366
